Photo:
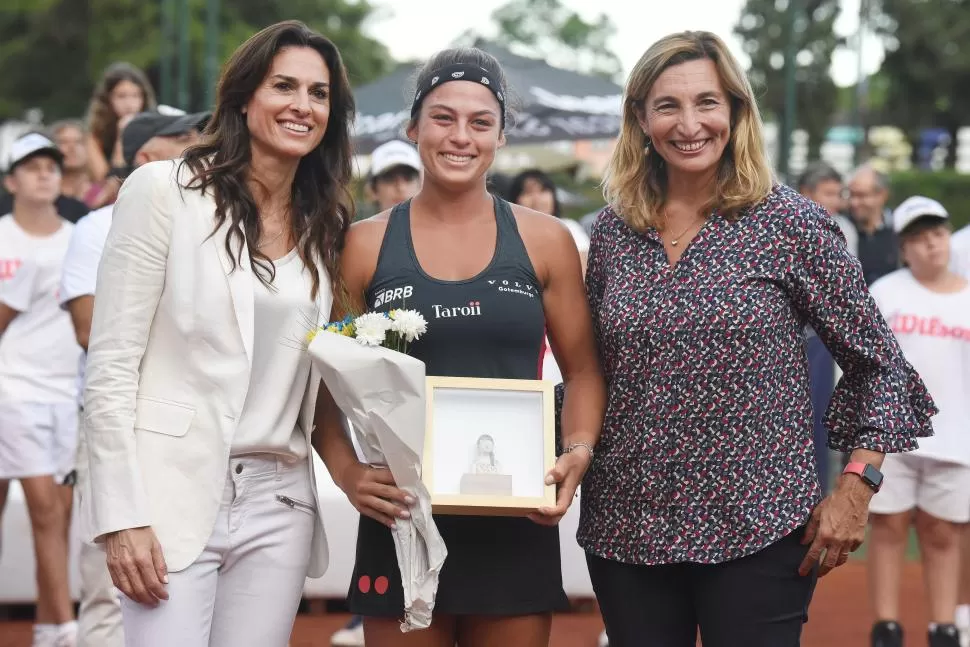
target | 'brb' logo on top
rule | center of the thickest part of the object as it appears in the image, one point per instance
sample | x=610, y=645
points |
x=392, y=294
x=473, y=309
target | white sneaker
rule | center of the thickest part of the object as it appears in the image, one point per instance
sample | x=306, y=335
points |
x=350, y=636
x=604, y=640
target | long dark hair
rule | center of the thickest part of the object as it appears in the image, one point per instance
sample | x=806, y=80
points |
x=102, y=120
x=517, y=186
x=321, y=203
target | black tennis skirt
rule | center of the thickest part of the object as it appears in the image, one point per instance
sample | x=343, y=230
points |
x=503, y=566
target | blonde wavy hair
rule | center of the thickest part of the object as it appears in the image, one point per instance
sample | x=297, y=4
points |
x=635, y=182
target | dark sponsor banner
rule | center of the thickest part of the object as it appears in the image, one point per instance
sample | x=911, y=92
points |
x=551, y=104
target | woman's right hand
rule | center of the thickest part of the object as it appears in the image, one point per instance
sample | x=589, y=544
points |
x=136, y=565
x=372, y=491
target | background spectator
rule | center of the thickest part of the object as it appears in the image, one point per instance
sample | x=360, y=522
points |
x=878, y=249
x=38, y=372
x=534, y=189
x=928, y=308
x=122, y=92
x=395, y=174
x=68, y=207
x=823, y=184
x=69, y=137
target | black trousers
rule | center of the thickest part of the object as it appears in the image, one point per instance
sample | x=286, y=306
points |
x=756, y=601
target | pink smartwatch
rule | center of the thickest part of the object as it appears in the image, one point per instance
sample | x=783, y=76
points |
x=869, y=474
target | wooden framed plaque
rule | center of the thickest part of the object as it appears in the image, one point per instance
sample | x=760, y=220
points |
x=488, y=445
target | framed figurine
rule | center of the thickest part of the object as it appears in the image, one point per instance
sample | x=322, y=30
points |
x=488, y=445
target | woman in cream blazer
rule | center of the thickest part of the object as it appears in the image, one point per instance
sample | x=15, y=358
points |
x=200, y=396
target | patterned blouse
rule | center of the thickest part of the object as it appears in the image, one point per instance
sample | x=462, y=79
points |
x=706, y=453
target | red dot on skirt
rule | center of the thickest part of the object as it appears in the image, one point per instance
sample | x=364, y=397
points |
x=380, y=585
x=364, y=584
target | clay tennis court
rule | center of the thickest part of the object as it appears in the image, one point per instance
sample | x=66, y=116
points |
x=839, y=616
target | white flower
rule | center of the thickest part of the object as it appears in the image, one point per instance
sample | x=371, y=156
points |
x=409, y=324
x=372, y=328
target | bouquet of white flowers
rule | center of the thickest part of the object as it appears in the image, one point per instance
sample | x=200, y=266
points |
x=395, y=329
x=379, y=388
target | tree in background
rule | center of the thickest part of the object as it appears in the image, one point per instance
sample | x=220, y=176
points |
x=927, y=63
x=762, y=28
x=341, y=21
x=43, y=44
x=547, y=30
x=52, y=52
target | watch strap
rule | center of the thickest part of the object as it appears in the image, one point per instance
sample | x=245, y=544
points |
x=869, y=474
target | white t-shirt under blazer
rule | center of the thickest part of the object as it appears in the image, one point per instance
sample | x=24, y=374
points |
x=281, y=366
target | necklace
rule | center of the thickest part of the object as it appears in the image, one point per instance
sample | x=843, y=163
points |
x=283, y=223
x=676, y=239
x=271, y=240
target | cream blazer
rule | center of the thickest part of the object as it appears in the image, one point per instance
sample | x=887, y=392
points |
x=168, y=369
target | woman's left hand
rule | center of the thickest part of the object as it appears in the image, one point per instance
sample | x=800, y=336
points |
x=837, y=526
x=567, y=474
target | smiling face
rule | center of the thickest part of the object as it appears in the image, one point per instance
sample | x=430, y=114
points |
x=458, y=132
x=687, y=116
x=288, y=113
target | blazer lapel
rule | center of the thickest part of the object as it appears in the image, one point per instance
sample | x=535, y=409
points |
x=240, y=281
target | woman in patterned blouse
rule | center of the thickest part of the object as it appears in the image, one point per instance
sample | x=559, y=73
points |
x=702, y=508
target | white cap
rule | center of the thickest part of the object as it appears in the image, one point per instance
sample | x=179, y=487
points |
x=169, y=110
x=31, y=144
x=916, y=207
x=394, y=153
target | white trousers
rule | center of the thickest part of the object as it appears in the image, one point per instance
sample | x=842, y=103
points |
x=99, y=611
x=245, y=588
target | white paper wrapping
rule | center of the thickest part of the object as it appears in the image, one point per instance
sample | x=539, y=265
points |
x=381, y=393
